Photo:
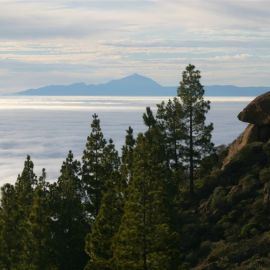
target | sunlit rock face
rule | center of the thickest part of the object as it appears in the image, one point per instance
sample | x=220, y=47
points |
x=257, y=114
x=258, y=111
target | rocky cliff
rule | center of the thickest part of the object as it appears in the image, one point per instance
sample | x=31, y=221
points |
x=257, y=114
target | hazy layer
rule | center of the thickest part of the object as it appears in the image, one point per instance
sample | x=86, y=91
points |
x=47, y=127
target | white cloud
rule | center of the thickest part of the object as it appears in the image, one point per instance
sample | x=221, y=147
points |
x=35, y=130
x=63, y=41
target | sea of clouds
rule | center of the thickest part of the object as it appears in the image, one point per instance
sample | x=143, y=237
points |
x=48, y=127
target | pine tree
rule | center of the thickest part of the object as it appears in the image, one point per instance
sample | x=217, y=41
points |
x=69, y=225
x=197, y=139
x=149, y=118
x=127, y=155
x=16, y=202
x=93, y=169
x=24, y=190
x=9, y=235
x=25, y=184
x=169, y=118
x=40, y=220
x=99, y=241
x=110, y=162
x=145, y=240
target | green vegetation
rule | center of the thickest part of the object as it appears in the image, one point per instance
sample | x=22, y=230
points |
x=196, y=135
x=165, y=204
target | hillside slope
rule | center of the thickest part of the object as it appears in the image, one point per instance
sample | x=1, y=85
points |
x=232, y=214
x=227, y=225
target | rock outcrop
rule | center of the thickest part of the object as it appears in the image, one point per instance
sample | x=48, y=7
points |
x=258, y=111
x=257, y=114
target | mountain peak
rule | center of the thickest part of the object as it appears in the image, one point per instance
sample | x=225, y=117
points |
x=136, y=75
x=139, y=79
x=132, y=85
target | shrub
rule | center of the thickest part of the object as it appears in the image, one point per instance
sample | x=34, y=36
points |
x=265, y=175
x=247, y=159
x=248, y=230
x=219, y=199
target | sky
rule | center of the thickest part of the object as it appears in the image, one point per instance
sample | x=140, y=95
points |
x=48, y=42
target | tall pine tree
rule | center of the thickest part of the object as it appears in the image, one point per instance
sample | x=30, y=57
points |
x=169, y=120
x=9, y=234
x=145, y=240
x=69, y=225
x=40, y=231
x=99, y=241
x=93, y=168
x=16, y=203
x=24, y=190
x=197, y=134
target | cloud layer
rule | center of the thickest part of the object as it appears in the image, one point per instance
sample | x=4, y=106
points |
x=64, y=41
x=46, y=128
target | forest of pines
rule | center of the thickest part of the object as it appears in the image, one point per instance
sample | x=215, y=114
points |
x=149, y=208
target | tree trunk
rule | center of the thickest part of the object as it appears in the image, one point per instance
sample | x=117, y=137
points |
x=144, y=230
x=191, y=165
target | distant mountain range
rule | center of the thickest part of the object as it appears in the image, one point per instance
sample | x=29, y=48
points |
x=136, y=85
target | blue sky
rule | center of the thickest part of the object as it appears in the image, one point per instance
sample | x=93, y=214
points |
x=65, y=41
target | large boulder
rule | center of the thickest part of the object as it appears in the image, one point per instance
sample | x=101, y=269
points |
x=258, y=111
